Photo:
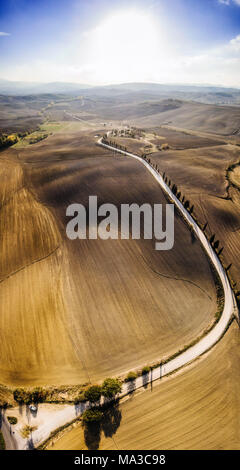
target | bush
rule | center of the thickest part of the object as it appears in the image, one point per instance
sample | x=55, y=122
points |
x=146, y=370
x=131, y=377
x=12, y=419
x=164, y=146
x=111, y=387
x=26, y=430
x=20, y=395
x=37, y=395
x=80, y=398
x=92, y=416
x=93, y=393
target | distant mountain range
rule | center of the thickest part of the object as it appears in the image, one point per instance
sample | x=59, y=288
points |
x=8, y=87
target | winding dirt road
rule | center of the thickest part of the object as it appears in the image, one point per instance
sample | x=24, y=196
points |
x=230, y=306
x=67, y=413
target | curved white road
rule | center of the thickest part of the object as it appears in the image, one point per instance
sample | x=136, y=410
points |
x=66, y=413
x=230, y=306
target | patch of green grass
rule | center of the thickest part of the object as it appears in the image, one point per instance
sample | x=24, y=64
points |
x=12, y=420
x=51, y=127
x=43, y=131
x=131, y=377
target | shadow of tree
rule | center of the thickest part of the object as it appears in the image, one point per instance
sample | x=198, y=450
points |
x=30, y=444
x=109, y=424
x=111, y=420
x=92, y=435
x=146, y=379
x=131, y=386
x=80, y=408
x=193, y=238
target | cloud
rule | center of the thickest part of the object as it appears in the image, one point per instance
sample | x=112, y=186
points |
x=2, y=33
x=235, y=43
x=229, y=2
x=219, y=65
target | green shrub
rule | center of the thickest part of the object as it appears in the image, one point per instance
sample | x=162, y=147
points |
x=146, y=370
x=92, y=416
x=111, y=387
x=131, y=377
x=12, y=419
x=26, y=431
x=93, y=393
x=80, y=398
x=36, y=395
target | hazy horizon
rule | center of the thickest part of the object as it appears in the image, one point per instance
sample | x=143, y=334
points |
x=173, y=84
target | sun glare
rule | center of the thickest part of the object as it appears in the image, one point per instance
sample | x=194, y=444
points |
x=127, y=45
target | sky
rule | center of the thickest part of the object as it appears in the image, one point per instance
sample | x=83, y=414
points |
x=101, y=42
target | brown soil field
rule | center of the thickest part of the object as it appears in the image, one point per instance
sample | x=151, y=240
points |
x=181, y=141
x=197, y=408
x=234, y=176
x=222, y=120
x=74, y=311
x=200, y=175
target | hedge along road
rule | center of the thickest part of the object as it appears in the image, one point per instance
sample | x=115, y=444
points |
x=65, y=414
x=230, y=306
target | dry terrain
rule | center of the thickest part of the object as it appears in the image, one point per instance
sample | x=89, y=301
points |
x=195, y=409
x=200, y=175
x=74, y=311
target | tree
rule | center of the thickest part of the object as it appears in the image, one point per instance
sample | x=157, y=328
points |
x=212, y=238
x=93, y=393
x=205, y=226
x=92, y=416
x=216, y=245
x=229, y=266
x=186, y=205
x=220, y=251
x=80, y=398
x=20, y=395
x=111, y=387
x=37, y=395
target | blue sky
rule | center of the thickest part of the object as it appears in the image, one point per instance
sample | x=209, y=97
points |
x=110, y=41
